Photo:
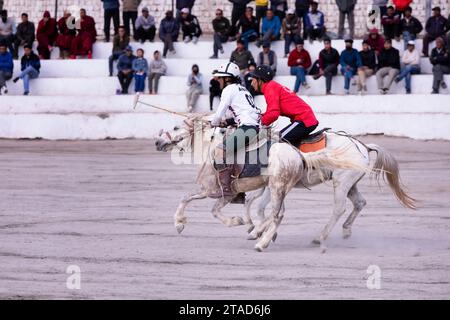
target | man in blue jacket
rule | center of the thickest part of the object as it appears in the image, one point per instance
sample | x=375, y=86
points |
x=112, y=11
x=6, y=67
x=169, y=29
x=30, y=67
x=125, y=69
x=271, y=26
x=350, y=61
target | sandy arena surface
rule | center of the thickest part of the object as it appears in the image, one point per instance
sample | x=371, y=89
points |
x=107, y=207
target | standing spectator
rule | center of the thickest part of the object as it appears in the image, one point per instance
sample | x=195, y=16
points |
x=181, y=4
x=214, y=91
x=125, y=68
x=24, y=33
x=401, y=5
x=249, y=26
x=195, y=89
x=368, y=66
x=111, y=11
x=168, y=32
x=271, y=26
x=411, y=65
x=242, y=57
x=140, y=70
x=448, y=33
x=440, y=59
x=435, y=27
x=221, y=26
x=382, y=4
x=350, y=61
x=328, y=62
x=299, y=60
x=87, y=35
x=291, y=30
x=46, y=35
x=375, y=40
x=145, y=27
x=391, y=24
x=6, y=67
x=279, y=8
x=410, y=27
x=314, y=23
x=120, y=43
x=65, y=37
x=30, y=67
x=261, y=7
x=268, y=57
x=301, y=9
x=190, y=26
x=388, y=66
x=1, y=4
x=7, y=31
x=130, y=14
x=346, y=8
x=236, y=13
x=158, y=68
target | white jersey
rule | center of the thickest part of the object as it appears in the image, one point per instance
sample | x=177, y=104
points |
x=240, y=103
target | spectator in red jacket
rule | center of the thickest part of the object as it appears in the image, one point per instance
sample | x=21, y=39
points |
x=283, y=102
x=46, y=35
x=299, y=60
x=65, y=37
x=375, y=40
x=87, y=34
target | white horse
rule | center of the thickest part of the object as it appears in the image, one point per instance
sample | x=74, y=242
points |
x=344, y=161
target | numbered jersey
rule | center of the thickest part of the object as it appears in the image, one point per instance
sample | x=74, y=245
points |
x=239, y=102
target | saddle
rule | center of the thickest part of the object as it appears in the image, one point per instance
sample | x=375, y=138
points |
x=314, y=142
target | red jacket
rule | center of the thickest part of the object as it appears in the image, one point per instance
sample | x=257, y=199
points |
x=402, y=4
x=295, y=55
x=283, y=102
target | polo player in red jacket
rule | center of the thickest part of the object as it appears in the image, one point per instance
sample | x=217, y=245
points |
x=283, y=102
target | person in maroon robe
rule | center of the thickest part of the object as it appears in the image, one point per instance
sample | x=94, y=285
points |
x=46, y=35
x=87, y=34
x=65, y=36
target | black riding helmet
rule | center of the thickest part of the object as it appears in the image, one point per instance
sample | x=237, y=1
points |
x=265, y=73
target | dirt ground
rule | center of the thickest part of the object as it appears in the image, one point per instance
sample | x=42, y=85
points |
x=107, y=207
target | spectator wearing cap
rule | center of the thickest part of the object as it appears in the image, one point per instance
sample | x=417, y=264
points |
x=279, y=8
x=190, y=26
x=328, y=63
x=30, y=67
x=440, y=59
x=7, y=31
x=145, y=27
x=247, y=27
x=411, y=65
x=299, y=61
x=350, y=61
x=125, y=68
x=271, y=26
x=168, y=32
x=267, y=57
x=435, y=27
x=24, y=33
x=46, y=35
x=291, y=27
x=120, y=43
x=6, y=67
x=410, y=27
x=367, y=68
x=314, y=23
x=346, y=8
x=140, y=70
x=214, y=91
x=111, y=12
x=181, y=4
x=158, y=68
x=391, y=24
x=221, y=27
x=241, y=56
x=130, y=14
x=195, y=89
x=261, y=7
x=388, y=66
x=375, y=40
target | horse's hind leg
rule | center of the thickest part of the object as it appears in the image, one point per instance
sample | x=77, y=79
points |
x=261, y=227
x=180, y=218
x=251, y=197
x=359, y=203
x=230, y=222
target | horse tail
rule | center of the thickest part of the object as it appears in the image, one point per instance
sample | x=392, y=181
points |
x=386, y=166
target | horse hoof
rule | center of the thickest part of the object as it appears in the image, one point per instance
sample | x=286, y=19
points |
x=180, y=228
x=252, y=236
x=346, y=233
x=250, y=229
x=274, y=237
x=237, y=221
x=259, y=248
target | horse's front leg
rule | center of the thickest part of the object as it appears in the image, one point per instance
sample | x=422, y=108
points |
x=230, y=222
x=251, y=197
x=263, y=203
x=180, y=218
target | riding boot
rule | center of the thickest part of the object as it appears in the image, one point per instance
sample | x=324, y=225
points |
x=224, y=183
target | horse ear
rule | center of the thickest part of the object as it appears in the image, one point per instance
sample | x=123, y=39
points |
x=160, y=133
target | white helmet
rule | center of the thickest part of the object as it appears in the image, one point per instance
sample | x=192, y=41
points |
x=229, y=69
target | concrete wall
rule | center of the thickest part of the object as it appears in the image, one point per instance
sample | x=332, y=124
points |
x=204, y=9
